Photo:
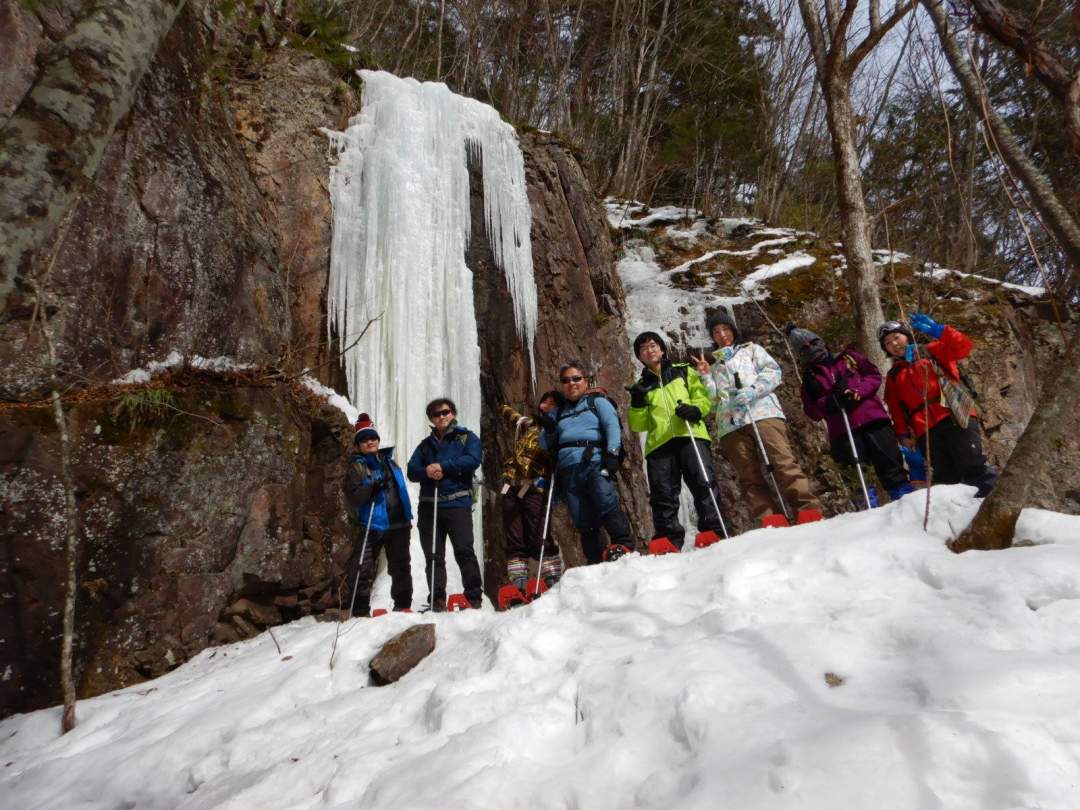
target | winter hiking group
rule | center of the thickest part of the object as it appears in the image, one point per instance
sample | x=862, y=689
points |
x=571, y=449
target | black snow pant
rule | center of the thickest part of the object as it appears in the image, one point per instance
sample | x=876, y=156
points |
x=592, y=500
x=876, y=444
x=957, y=457
x=523, y=522
x=667, y=467
x=396, y=543
x=456, y=522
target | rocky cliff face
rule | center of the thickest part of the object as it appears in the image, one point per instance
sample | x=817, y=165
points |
x=210, y=504
x=206, y=231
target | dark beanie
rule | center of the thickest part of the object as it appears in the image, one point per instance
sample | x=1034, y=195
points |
x=721, y=317
x=647, y=336
x=807, y=345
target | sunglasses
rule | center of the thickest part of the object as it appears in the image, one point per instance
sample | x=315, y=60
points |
x=568, y=380
x=443, y=412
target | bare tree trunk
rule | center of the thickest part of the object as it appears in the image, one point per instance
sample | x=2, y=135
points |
x=861, y=274
x=52, y=145
x=835, y=68
x=71, y=521
x=995, y=522
x=1014, y=32
x=1056, y=217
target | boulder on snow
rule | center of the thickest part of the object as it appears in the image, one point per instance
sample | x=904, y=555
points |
x=401, y=653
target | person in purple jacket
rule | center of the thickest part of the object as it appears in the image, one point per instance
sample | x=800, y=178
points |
x=847, y=380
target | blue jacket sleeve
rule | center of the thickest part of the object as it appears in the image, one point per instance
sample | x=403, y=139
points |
x=609, y=424
x=469, y=458
x=417, y=471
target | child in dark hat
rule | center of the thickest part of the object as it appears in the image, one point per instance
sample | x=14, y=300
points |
x=381, y=515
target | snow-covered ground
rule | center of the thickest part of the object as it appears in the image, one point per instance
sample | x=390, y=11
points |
x=852, y=664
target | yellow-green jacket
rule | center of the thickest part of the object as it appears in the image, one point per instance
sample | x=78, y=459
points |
x=680, y=383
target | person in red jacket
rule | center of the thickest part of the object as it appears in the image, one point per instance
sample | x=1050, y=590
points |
x=913, y=394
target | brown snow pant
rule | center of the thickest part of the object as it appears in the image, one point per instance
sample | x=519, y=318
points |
x=740, y=449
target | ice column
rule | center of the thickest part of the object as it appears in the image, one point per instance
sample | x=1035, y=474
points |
x=400, y=192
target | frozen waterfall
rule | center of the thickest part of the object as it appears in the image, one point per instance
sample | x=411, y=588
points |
x=400, y=192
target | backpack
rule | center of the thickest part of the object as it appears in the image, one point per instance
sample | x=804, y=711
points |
x=590, y=401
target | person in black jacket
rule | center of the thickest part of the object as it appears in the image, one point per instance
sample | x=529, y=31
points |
x=444, y=464
x=379, y=510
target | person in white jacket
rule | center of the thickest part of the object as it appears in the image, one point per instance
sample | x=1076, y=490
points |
x=741, y=382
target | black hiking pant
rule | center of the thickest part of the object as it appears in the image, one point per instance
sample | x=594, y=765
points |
x=396, y=543
x=957, y=457
x=876, y=444
x=523, y=522
x=667, y=467
x=457, y=523
x=592, y=500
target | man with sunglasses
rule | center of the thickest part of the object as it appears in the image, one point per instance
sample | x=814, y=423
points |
x=443, y=464
x=585, y=434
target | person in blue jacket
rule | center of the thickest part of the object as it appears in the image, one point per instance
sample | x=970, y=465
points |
x=379, y=508
x=444, y=464
x=585, y=433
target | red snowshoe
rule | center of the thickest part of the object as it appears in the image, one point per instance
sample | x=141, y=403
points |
x=706, y=538
x=661, y=545
x=614, y=551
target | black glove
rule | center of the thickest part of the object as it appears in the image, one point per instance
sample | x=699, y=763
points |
x=691, y=413
x=610, y=462
x=838, y=386
x=637, y=396
x=379, y=484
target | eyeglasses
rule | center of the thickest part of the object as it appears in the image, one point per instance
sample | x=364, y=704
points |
x=443, y=412
x=568, y=380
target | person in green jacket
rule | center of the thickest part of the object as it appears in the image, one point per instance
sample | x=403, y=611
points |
x=669, y=403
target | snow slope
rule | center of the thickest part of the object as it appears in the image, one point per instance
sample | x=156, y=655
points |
x=850, y=664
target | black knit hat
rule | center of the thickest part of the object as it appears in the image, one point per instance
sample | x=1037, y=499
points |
x=644, y=337
x=722, y=317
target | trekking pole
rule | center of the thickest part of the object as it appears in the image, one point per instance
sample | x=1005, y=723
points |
x=363, y=551
x=543, y=534
x=705, y=477
x=764, y=455
x=854, y=454
x=434, y=522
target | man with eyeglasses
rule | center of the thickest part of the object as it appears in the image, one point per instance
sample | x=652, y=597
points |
x=586, y=435
x=443, y=464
